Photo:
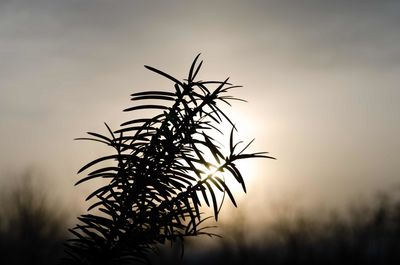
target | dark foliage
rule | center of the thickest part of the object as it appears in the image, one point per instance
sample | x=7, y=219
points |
x=32, y=230
x=160, y=174
x=367, y=235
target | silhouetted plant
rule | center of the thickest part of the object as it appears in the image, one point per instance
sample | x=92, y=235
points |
x=162, y=173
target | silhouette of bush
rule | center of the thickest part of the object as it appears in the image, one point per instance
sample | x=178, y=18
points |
x=367, y=234
x=160, y=174
x=31, y=229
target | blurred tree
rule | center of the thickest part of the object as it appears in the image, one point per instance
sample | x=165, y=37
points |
x=160, y=174
x=32, y=229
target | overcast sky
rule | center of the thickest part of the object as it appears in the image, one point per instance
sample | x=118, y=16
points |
x=321, y=77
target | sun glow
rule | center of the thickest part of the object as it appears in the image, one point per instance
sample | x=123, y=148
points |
x=247, y=167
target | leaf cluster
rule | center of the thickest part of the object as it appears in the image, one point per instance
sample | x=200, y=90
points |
x=160, y=174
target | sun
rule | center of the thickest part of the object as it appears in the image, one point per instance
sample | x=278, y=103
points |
x=246, y=167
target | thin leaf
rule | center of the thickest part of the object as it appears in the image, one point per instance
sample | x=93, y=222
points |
x=197, y=70
x=191, y=75
x=227, y=190
x=216, y=184
x=238, y=176
x=160, y=93
x=203, y=192
x=146, y=107
x=163, y=74
x=104, y=158
x=108, y=140
x=156, y=97
x=214, y=200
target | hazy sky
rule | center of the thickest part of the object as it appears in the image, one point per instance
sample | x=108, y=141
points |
x=321, y=77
